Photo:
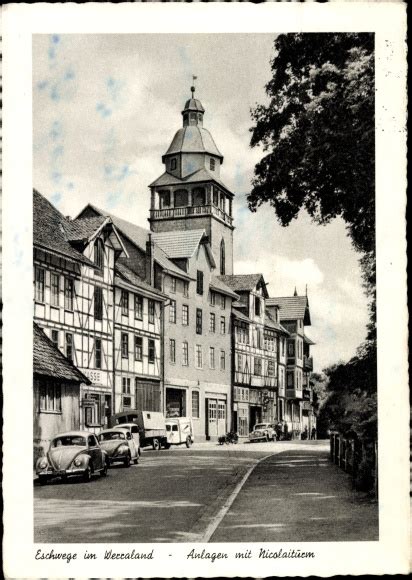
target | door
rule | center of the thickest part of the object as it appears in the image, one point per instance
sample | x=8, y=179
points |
x=95, y=452
x=221, y=418
x=211, y=418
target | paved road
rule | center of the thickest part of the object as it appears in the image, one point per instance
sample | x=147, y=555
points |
x=305, y=498
x=185, y=495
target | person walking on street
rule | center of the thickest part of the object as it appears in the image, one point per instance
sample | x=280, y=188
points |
x=313, y=433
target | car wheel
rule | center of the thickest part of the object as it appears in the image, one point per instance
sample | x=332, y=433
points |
x=156, y=444
x=188, y=441
x=136, y=460
x=103, y=472
x=167, y=445
x=87, y=475
x=42, y=480
x=127, y=461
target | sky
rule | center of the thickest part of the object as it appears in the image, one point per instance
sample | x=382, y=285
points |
x=105, y=109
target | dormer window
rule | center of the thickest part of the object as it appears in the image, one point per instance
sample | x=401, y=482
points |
x=173, y=164
x=212, y=164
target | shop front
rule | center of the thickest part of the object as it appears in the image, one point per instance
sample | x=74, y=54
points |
x=176, y=402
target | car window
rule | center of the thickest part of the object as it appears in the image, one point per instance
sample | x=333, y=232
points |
x=128, y=435
x=174, y=428
x=135, y=429
x=91, y=441
x=168, y=427
x=68, y=440
x=111, y=436
x=260, y=426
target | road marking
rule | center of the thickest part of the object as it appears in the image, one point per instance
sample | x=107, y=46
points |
x=211, y=528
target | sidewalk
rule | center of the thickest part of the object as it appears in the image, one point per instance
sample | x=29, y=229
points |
x=298, y=495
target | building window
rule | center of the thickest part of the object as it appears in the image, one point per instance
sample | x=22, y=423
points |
x=172, y=350
x=291, y=348
x=173, y=285
x=55, y=289
x=185, y=354
x=239, y=363
x=173, y=163
x=124, y=302
x=199, y=282
x=125, y=345
x=138, y=348
x=222, y=302
x=98, y=303
x=212, y=164
x=212, y=298
x=195, y=404
x=164, y=199
x=126, y=385
x=222, y=258
x=212, y=357
x=99, y=255
x=215, y=197
x=222, y=325
x=152, y=351
x=259, y=338
x=199, y=357
x=212, y=324
x=138, y=307
x=69, y=346
x=283, y=347
x=222, y=360
x=289, y=377
x=151, y=312
x=257, y=306
x=271, y=368
x=198, y=321
x=257, y=370
x=185, y=314
x=186, y=289
x=50, y=398
x=221, y=410
x=172, y=311
x=55, y=338
x=68, y=293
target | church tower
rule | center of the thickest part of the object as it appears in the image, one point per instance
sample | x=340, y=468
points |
x=190, y=194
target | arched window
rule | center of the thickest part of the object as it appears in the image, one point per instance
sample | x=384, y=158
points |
x=181, y=198
x=198, y=196
x=222, y=258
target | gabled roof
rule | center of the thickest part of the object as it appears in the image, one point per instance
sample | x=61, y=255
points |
x=139, y=236
x=218, y=286
x=122, y=272
x=48, y=361
x=81, y=230
x=292, y=308
x=179, y=244
x=199, y=176
x=308, y=340
x=244, y=282
x=52, y=230
x=271, y=323
x=240, y=316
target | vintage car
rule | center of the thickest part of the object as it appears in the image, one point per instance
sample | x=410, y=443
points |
x=75, y=453
x=119, y=445
x=179, y=430
x=263, y=432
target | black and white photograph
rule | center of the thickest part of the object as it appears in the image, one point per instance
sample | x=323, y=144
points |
x=205, y=335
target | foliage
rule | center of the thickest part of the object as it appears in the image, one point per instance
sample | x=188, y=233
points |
x=318, y=137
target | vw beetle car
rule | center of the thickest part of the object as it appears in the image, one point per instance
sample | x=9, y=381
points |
x=133, y=436
x=262, y=432
x=119, y=446
x=75, y=453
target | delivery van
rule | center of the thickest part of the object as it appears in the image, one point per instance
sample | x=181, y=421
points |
x=151, y=424
x=179, y=430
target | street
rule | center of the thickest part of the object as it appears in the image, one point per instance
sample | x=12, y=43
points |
x=286, y=491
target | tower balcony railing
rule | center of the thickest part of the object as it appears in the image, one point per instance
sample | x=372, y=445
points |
x=190, y=210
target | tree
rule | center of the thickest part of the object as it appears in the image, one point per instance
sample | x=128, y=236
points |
x=318, y=134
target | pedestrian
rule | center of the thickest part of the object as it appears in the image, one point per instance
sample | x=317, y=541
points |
x=313, y=433
x=305, y=434
x=285, y=431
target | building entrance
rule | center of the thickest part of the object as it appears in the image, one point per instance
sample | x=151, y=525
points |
x=216, y=411
x=255, y=414
x=175, y=402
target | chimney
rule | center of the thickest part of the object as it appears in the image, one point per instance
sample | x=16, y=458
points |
x=149, y=261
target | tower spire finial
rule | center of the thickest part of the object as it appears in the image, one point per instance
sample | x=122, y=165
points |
x=296, y=292
x=193, y=88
